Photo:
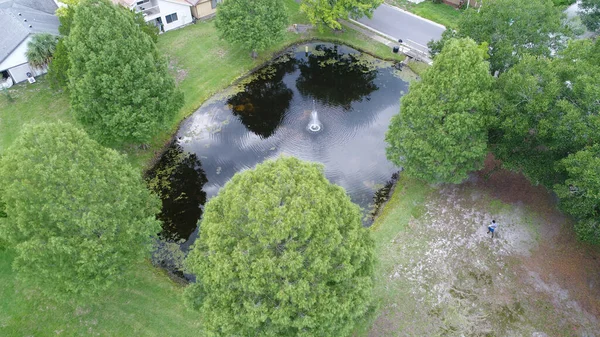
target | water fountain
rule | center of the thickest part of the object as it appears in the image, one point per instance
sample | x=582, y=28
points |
x=272, y=116
x=314, y=125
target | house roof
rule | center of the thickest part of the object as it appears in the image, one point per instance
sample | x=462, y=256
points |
x=46, y=6
x=20, y=18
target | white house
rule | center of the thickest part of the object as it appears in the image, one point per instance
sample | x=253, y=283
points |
x=165, y=14
x=171, y=14
x=19, y=21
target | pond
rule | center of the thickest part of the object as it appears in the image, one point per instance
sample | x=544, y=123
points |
x=319, y=102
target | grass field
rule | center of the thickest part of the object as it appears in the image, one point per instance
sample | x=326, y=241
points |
x=151, y=306
x=24, y=104
x=404, y=203
x=202, y=63
x=440, y=13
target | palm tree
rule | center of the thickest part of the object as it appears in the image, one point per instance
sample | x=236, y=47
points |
x=40, y=49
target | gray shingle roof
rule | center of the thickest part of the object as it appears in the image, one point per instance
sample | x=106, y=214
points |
x=19, y=18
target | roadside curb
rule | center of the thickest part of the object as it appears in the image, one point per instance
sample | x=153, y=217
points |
x=415, y=15
x=405, y=49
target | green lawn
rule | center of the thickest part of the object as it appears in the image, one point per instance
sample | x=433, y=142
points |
x=203, y=64
x=440, y=13
x=417, y=67
x=26, y=103
x=405, y=202
x=151, y=306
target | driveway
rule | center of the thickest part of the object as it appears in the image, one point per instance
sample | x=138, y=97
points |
x=403, y=25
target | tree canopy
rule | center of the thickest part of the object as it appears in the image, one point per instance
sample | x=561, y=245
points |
x=590, y=14
x=580, y=193
x=281, y=252
x=121, y=91
x=40, y=49
x=78, y=215
x=252, y=24
x=329, y=12
x=548, y=122
x=547, y=110
x=440, y=133
x=512, y=28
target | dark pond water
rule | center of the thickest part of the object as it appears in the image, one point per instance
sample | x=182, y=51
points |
x=268, y=114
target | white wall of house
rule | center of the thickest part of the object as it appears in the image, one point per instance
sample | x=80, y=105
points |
x=17, y=66
x=17, y=56
x=184, y=14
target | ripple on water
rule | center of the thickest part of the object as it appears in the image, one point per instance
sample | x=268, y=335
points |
x=270, y=118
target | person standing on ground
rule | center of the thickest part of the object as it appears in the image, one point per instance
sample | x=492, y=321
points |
x=492, y=227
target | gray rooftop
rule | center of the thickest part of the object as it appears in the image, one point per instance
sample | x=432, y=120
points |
x=20, y=18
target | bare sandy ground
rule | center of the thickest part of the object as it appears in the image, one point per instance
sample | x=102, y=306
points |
x=452, y=279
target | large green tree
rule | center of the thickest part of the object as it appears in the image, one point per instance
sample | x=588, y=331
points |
x=440, y=133
x=329, y=12
x=548, y=109
x=512, y=28
x=282, y=252
x=121, y=90
x=590, y=14
x=252, y=24
x=580, y=193
x=78, y=215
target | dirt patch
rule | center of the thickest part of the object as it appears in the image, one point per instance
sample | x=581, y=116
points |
x=179, y=73
x=560, y=259
x=533, y=279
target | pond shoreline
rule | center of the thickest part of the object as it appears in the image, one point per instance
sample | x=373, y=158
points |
x=158, y=153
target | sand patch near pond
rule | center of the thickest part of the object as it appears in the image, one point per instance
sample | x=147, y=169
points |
x=451, y=278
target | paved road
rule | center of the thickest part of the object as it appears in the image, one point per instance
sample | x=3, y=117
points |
x=403, y=25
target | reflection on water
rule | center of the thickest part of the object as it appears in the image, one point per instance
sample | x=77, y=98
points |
x=335, y=77
x=267, y=116
x=264, y=101
x=178, y=179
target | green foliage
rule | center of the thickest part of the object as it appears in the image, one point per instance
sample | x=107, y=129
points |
x=282, y=252
x=590, y=14
x=65, y=18
x=40, y=49
x=512, y=28
x=147, y=27
x=548, y=109
x=580, y=193
x=329, y=12
x=528, y=93
x=548, y=128
x=563, y=2
x=58, y=73
x=121, y=91
x=440, y=134
x=78, y=215
x=252, y=24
